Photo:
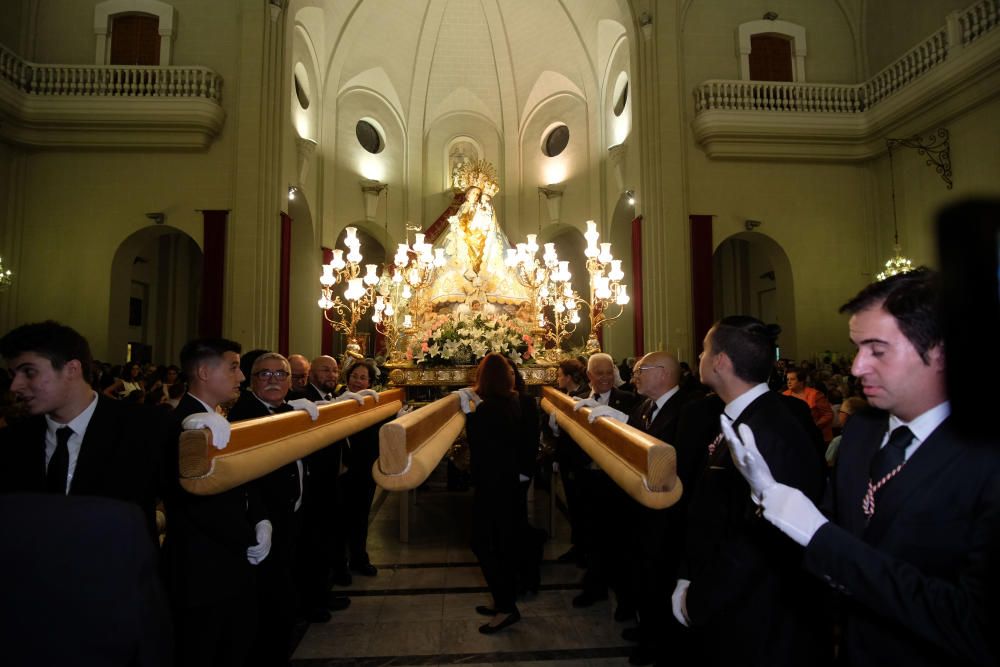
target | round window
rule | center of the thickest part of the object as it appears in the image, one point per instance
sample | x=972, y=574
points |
x=369, y=137
x=556, y=141
x=300, y=93
x=620, y=94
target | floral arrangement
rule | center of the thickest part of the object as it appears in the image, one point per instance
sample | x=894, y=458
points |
x=465, y=340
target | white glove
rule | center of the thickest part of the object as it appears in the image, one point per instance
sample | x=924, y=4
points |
x=792, y=513
x=553, y=423
x=307, y=406
x=468, y=398
x=606, y=411
x=678, y=601
x=405, y=410
x=523, y=478
x=585, y=403
x=214, y=422
x=350, y=395
x=369, y=392
x=747, y=458
x=259, y=551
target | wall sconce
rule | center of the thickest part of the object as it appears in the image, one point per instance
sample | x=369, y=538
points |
x=6, y=277
x=371, y=190
x=305, y=148
x=630, y=197
x=646, y=23
x=158, y=217
x=553, y=199
x=751, y=224
x=292, y=191
x=616, y=156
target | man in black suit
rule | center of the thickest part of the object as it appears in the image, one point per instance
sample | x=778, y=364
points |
x=300, y=375
x=601, y=528
x=914, y=535
x=654, y=542
x=213, y=543
x=281, y=492
x=80, y=584
x=742, y=585
x=322, y=559
x=75, y=442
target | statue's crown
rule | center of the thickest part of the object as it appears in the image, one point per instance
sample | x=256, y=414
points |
x=479, y=174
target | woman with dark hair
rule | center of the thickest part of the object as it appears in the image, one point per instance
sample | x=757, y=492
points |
x=572, y=378
x=495, y=478
x=130, y=381
x=357, y=482
x=530, y=540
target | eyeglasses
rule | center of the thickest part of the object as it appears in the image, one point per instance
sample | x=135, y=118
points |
x=267, y=375
x=296, y=376
x=640, y=369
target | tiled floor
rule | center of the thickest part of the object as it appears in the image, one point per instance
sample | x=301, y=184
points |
x=420, y=609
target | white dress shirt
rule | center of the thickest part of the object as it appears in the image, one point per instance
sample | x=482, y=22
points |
x=921, y=427
x=735, y=407
x=661, y=401
x=79, y=427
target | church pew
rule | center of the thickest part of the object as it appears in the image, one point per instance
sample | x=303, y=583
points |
x=259, y=446
x=411, y=446
x=643, y=466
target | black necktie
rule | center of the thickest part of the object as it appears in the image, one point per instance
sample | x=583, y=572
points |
x=892, y=455
x=55, y=476
x=327, y=397
x=647, y=414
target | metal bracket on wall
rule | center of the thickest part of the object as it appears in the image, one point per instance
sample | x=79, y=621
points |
x=936, y=148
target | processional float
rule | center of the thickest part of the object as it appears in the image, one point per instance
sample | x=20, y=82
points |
x=470, y=277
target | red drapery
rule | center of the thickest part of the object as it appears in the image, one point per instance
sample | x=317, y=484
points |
x=701, y=277
x=213, y=273
x=284, y=291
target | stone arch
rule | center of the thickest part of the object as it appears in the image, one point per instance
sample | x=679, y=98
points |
x=168, y=262
x=752, y=275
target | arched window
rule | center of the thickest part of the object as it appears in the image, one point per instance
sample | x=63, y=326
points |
x=141, y=32
x=135, y=40
x=772, y=51
x=770, y=58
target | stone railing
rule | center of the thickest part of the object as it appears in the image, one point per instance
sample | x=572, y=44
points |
x=962, y=29
x=109, y=80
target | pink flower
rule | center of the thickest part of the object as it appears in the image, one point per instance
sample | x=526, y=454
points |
x=409, y=355
x=526, y=338
x=424, y=347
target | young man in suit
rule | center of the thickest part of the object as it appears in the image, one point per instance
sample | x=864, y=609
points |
x=75, y=442
x=738, y=572
x=914, y=536
x=213, y=542
x=601, y=528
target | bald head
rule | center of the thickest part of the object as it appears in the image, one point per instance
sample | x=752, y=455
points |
x=300, y=371
x=656, y=374
x=323, y=373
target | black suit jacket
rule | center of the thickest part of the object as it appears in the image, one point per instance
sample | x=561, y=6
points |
x=279, y=490
x=746, y=577
x=574, y=457
x=664, y=424
x=79, y=583
x=120, y=456
x=920, y=580
x=207, y=536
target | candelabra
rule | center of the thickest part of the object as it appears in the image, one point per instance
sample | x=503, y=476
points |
x=606, y=286
x=389, y=308
x=344, y=312
x=550, y=283
x=416, y=265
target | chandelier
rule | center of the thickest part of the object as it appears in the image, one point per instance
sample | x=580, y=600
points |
x=6, y=277
x=897, y=263
x=344, y=312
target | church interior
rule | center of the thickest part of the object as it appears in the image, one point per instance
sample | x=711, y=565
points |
x=178, y=168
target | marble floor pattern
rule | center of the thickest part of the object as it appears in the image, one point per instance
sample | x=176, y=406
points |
x=420, y=608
